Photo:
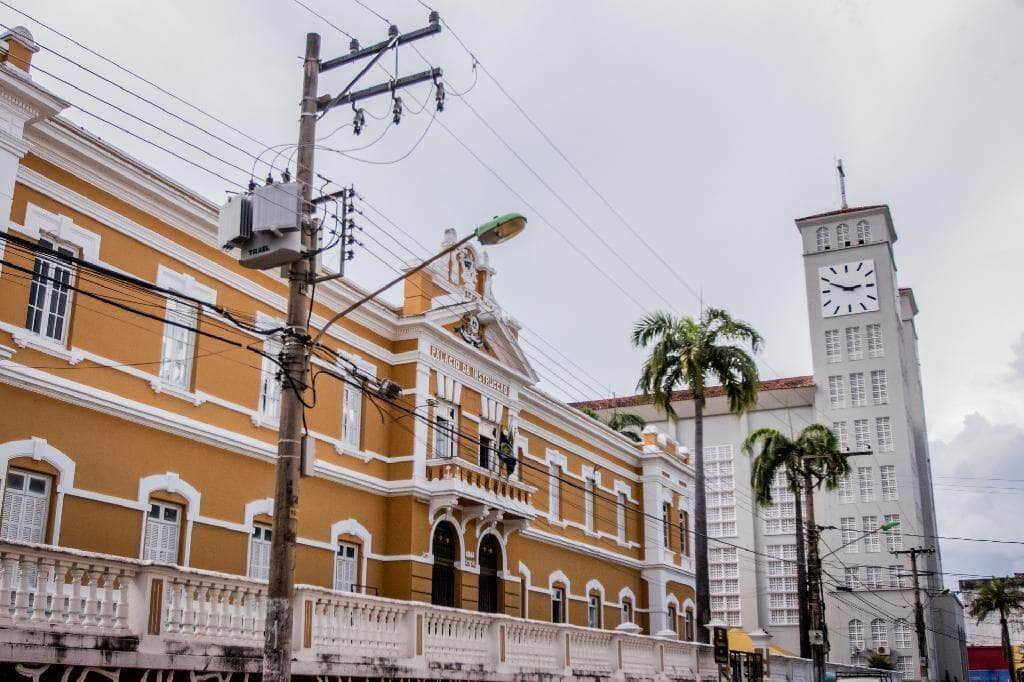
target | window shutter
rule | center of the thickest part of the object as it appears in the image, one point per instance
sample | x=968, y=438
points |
x=161, y=541
x=352, y=418
x=345, y=569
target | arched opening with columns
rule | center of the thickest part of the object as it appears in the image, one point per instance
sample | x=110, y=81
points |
x=490, y=562
x=444, y=546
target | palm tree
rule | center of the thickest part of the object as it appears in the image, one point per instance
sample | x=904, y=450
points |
x=686, y=352
x=626, y=423
x=812, y=452
x=1000, y=596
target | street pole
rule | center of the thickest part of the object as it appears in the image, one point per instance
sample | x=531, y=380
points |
x=919, y=625
x=277, y=642
x=814, y=580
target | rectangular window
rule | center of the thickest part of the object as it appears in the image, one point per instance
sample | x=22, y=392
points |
x=445, y=428
x=673, y=617
x=898, y=578
x=879, y=387
x=833, y=353
x=883, y=430
x=861, y=435
x=851, y=577
x=875, y=349
x=869, y=526
x=26, y=505
x=259, y=552
x=558, y=604
x=866, y=479
x=594, y=611
x=901, y=634
x=858, y=396
x=352, y=416
x=270, y=383
x=720, y=482
x=555, y=491
x=873, y=577
x=846, y=489
x=589, y=485
x=346, y=568
x=723, y=562
x=627, y=611
x=854, y=351
x=905, y=667
x=848, y=527
x=163, y=528
x=620, y=516
x=894, y=536
x=666, y=512
x=842, y=435
x=836, y=396
x=49, y=298
x=887, y=473
x=684, y=532
x=179, y=342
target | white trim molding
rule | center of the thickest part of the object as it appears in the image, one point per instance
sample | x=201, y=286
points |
x=172, y=483
x=39, y=450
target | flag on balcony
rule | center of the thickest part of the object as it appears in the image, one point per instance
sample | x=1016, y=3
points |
x=507, y=450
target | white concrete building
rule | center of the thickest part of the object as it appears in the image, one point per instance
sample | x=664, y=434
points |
x=989, y=632
x=866, y=386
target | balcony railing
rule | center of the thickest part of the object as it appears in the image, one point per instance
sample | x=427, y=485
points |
x=479, y=484
x=84, y=609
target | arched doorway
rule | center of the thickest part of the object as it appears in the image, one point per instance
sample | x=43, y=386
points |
x=490, y=560
x=444, y=547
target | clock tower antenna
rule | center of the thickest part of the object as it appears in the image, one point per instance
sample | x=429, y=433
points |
x=842, y=182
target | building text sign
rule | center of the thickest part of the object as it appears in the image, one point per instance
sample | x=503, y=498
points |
x=469, y=370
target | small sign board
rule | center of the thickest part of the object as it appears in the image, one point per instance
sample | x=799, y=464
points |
x=721, y=643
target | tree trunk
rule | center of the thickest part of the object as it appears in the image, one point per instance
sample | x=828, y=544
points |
x=801, y=573
x=700, y=554
x=1007, y=648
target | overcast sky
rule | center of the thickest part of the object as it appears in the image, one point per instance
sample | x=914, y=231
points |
x=708, y=126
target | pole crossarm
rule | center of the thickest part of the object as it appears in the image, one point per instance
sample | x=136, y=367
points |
x=326, y=102
x=362, y=53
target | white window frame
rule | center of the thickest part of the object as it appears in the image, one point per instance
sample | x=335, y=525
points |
x=269, y=406
x=848, y=528
x=352, y=417
x=854, y=347
x=863, y=232
x=833, y=351
x=589, y=502
x=178, y=347
x=446, y=426
x=851, y=577
x=823, y=238
x=879, y=633
x=156, y=553
x=594, y=611
x=876, y=348
x=873, y=577
x=866, y=483
x=857, y=641
x=887, y=477
x=842, y=235
x=258, y=562
x=37, y=504
x=842, y=435
x=50, y=289
x=558, y=597
x=879, y=387
x=858, y=392
x=846, y=489
x=627, y=610
x=352, y=562
x=883, y=432
x=836, y=394
x=620, y=516
x=901, y=637
x=869, y=526
x=894, y=537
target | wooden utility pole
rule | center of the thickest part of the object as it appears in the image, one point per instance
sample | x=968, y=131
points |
x=277, y=640
x=919, y=624
x=817, y=609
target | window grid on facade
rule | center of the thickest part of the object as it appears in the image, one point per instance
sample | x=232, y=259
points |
x=836, y=396
x=857, y=642
x=833, y=352
x=869, y=526
x=883, y=431
x=780, y=517
x=866, y=482
x=782, y=585
x=873, y=577
x=720, y=483
x=861, y=435
x=893, y=536
x=905, y=667
x=874, y=334
x=848, y=529
x=863, y=232
x=823, y=237
x=879, y=633
x=901, y=634
x=879, y=387
x=887, y=474
x=858, y=395
x=725, y=591
x=49, y=298
x=898, y=578
x=842, y=235
x=854, y=349
x=851, y=577
x=846, y=489
x=179, y=342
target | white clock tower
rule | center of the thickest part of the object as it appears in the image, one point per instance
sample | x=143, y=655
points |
x=868, y=390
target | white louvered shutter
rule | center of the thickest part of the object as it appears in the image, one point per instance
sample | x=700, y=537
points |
x=162, y=532
x=352, y=417
x=26, y=503
x=259, y=553
x=345, y=571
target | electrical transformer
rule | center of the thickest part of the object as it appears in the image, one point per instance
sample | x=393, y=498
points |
x=275, y=207
x=264, y=224
x=234, y=227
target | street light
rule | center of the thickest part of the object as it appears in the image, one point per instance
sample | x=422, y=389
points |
x=887, y=526
x=496, y=231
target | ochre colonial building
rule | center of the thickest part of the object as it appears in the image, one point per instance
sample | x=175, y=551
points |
x=126, y=436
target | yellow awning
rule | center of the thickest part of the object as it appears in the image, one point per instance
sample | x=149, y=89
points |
x=740, y=641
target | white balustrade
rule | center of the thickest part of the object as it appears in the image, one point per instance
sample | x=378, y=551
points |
x=534, y=645
x=640, y=656
x=352, y=626
x=208, y=606
x=591, y=651
x=457, y=636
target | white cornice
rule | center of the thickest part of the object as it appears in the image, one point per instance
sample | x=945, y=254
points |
x=582, y=426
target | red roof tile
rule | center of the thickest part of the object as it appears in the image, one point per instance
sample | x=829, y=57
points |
x=842, y=211
x=712, y=391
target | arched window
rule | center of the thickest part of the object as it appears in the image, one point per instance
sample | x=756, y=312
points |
x=863, y=232
x=559, y=603
x=444, y=546
x=842, y=235
x=489, y=586
x=856, y=636
x=901, y=634
x=627, y=610
x=161, y=541
x=673, y=617
x=688, y=632
x=594, y=609
x=824, y=238
x=879, y=633
x=27, y=505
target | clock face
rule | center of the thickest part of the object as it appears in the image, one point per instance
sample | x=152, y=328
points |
x=848, y=288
